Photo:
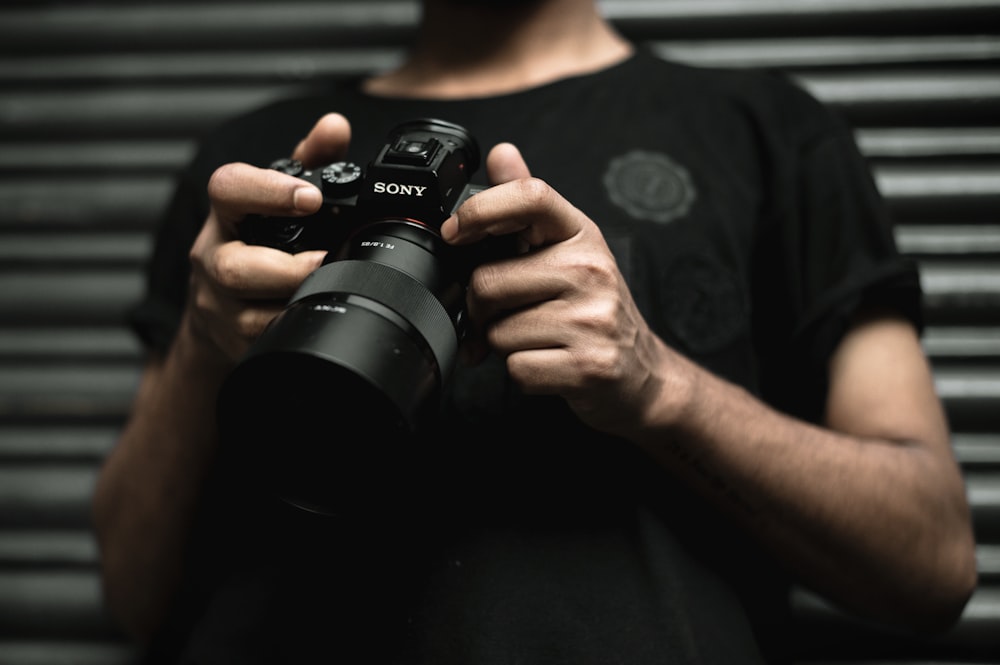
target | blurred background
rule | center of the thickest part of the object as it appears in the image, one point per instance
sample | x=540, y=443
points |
x=102, y=100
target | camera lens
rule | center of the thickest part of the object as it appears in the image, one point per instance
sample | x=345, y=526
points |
x=326, y=401
x=324, y=409
x=325, y=412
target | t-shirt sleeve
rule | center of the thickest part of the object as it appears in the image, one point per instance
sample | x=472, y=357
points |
x=830, y=251
x=849, y=254
x=156, y=316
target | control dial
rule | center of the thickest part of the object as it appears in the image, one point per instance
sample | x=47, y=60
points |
x=340, y=179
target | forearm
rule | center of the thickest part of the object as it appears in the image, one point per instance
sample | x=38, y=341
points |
x=877, y=524
x=148, y=488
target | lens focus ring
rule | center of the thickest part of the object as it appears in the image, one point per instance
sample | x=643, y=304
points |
x=396, y=290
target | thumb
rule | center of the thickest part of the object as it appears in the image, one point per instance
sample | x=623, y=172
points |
x=504, y=163
x=326, y=142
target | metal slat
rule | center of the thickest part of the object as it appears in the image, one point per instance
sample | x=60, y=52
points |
x=955, y=192
x=825, y=52
x=988, y=564
x=48, y=603
x=971, y=397
x=87, y=158
x=79, y=390
x=58, y=444
x=945, y=96
x=84, y=200
x=962, y=293
x=65, y=652
x=178, y=111
x=971, y=241
x=830, y=635
x=46, y=496
x=977, y=450
x=192, y=67
x=215, y=25
x=983, y=490
x=939, y=181
x=96, y=248
x=745, y=18
x=92, y=296
x=928, y=142
x=39, y=549
x=782, y=10
x=973, y=383
x=111, y=344
x=979, y=343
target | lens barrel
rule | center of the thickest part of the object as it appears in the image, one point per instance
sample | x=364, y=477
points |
x=325, y=407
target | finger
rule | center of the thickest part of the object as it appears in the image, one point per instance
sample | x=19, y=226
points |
x=326, y=142
x=544, y=371
x=526, y=206
x=257, y=272
x=233, y=324
x=498, y=288
x=238, y=189
x=505, y=163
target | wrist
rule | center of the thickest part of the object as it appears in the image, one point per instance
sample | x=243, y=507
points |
x=678, y=387
x=671, y=395
x=195, y=350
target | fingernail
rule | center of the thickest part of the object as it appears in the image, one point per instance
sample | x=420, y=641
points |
x=307, y=199
x=449, y=228
x=315, y=257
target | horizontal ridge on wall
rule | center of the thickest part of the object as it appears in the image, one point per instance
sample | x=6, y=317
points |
x=225, y=25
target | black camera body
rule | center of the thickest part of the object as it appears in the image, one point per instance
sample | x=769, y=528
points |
x=420, y=175
x=344, y=377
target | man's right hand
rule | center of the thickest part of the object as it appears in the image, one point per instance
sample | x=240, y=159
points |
x=236, y=289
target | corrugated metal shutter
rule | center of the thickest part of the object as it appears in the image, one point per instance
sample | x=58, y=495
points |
x=101, y=101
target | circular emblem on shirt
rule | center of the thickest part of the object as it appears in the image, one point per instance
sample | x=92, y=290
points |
x=650, y=186
x=704, y=304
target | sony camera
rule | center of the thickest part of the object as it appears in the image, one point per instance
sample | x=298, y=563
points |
x=342, y=379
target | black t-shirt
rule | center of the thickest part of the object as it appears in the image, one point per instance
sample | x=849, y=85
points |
x=748, y=229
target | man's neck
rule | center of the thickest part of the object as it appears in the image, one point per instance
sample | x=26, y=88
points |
x=471, y=50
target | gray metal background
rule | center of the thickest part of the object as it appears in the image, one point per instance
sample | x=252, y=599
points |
x=100, y=102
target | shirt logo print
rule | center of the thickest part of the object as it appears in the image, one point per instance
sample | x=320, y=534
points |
x=650, y=186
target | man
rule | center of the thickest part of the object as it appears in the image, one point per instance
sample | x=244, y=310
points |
x=701, y=378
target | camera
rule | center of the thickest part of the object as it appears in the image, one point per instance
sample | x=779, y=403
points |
x=326, y=404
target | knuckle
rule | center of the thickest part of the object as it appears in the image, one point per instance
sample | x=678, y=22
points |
x=593, y=273
x=195, y=259
x=247, y=325
x=494, y=337
x=227, y=269
x=536, y=193
x=599, y=367
x=201, y=300
x=481, y=283
x=221, y=179
x=600, y=319
x=519, y=372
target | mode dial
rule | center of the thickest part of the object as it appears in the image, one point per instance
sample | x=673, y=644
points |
x=340, y=179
